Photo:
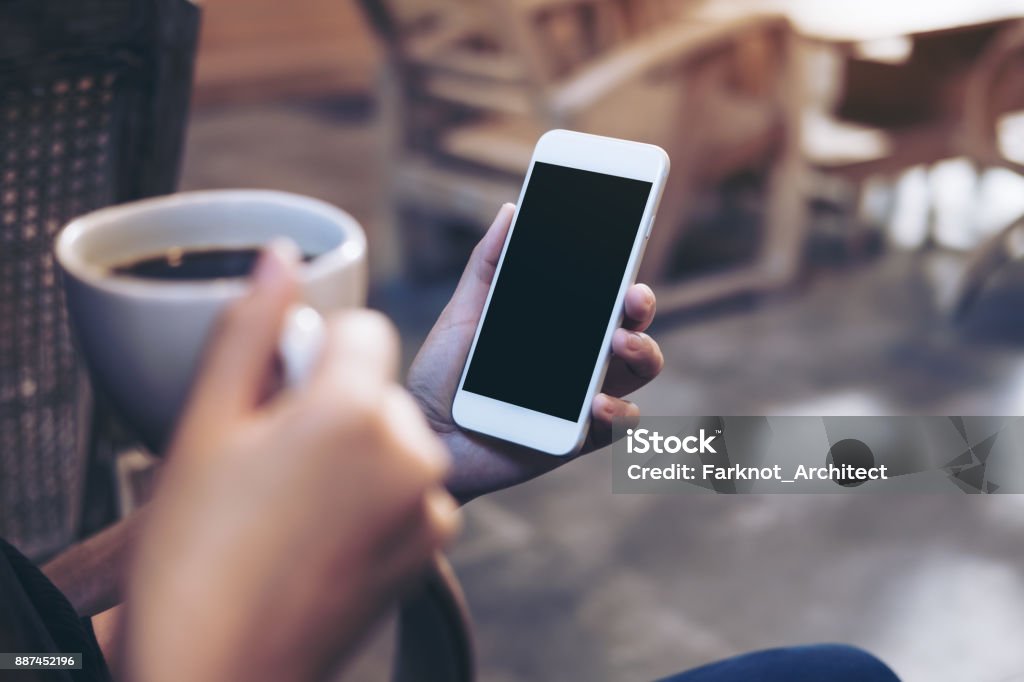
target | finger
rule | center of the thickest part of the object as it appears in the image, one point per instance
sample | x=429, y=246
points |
x=423, y=456
x=640, y=307
x=432, y=525
x=374, y=431
x=243, y=346
x=606, y=410
x=476, y=279
x=485, y=256
x=361, y=348
x=636, y=360
x=443, y=518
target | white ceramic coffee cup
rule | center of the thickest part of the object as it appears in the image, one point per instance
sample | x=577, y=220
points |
x=142, y=339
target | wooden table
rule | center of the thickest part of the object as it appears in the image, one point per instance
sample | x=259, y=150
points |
x=864, y=20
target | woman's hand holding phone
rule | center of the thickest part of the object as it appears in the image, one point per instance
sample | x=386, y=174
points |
x=561, y=289
x=480, y=464
x=282, y=527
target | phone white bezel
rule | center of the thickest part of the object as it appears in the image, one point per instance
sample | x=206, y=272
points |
x=530, y=428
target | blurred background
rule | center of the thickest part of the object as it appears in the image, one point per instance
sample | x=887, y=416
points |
x=835, y=239
x=841, y=235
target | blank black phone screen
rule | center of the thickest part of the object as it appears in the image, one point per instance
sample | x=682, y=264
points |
x=568, y=253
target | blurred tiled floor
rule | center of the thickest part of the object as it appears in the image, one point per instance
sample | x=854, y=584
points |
x=568, y=582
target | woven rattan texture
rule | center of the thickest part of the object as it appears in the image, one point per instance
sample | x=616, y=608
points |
x=57, y=160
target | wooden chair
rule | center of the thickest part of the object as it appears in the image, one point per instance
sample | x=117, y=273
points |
x=470, y=88
x=737, y=108
x=435, y=633
x=995, y=89
x=907, y=113
x=93, y=99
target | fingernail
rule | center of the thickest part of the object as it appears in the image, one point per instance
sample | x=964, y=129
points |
x=635, y=341
x=444, y=511
x=442, y=503
x=278, y=258
x=609, y=409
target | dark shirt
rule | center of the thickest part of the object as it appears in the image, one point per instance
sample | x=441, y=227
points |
x=36, y=618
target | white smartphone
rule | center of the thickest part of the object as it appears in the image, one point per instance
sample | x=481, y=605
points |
x=541, y=349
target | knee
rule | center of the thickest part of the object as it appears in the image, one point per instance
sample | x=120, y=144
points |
x=816, y=663
x=845, y=663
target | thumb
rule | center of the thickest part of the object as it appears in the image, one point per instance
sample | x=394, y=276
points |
x=240, y=352
x=468, y=299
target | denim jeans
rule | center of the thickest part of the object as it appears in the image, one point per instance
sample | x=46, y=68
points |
x=819, y=663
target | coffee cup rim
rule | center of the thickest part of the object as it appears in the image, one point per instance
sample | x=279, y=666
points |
x=347, y=253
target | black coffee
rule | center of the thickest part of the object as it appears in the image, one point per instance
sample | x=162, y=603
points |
x=195, y=264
